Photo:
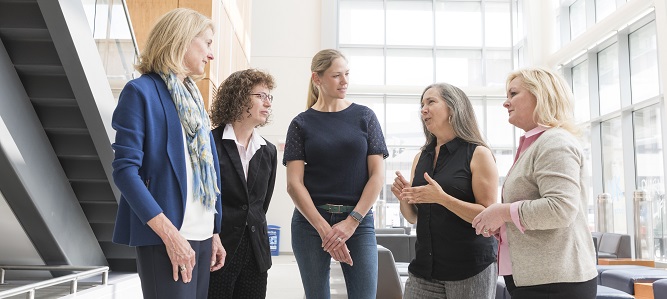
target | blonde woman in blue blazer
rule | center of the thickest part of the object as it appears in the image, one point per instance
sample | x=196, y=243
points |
x=166, y=165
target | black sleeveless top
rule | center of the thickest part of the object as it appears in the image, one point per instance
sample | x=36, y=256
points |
x=447, y=247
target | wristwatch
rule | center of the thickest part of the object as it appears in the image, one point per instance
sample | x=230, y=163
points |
x=356, y=216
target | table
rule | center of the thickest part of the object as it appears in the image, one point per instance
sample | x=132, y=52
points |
x=626, y=261
x=643, y=290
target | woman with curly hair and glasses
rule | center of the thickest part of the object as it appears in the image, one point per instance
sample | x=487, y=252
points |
x=248, y=169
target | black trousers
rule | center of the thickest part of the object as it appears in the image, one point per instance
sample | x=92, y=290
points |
x=156, y=274
x=565, y=290
x=240, y=277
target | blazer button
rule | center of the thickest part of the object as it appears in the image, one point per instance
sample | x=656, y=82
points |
x=252, y=228
x=244, y=207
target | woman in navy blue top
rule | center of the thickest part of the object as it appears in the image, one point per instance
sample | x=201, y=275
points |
x=454, y=178
x=334, y=156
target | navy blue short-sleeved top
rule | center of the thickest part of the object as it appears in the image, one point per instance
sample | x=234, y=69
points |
x=335, y=147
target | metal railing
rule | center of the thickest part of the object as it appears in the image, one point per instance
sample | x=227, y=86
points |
x=73, y=279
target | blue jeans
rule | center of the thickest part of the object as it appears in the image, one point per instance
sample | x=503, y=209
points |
x=314, y=263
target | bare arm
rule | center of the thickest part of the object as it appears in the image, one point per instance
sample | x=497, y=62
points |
x=484, y=184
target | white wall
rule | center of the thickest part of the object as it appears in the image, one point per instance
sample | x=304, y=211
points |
x=285, y=36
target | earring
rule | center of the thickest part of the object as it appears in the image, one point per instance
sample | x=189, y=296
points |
x=450, y=119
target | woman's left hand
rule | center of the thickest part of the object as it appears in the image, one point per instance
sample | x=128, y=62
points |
x=431, y=193
x=339, y=233
x=489, y=221
x=218, y=255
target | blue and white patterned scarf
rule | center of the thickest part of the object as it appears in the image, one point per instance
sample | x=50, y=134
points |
x=195, y=122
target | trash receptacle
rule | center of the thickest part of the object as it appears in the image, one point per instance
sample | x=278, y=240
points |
x=274, y=239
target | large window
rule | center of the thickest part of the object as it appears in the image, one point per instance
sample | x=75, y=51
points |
x=612, y=170
x=608, y=76
x=582, y=110
x=577, y=18
x=650, y=173
x=412, y=44
x=644, y=77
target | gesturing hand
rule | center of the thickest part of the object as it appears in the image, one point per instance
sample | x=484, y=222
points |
x=431, y=193
x=399, y=183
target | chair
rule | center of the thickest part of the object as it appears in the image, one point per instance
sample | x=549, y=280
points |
x=603, y=268
x=389, y=230
x=389, y=283
x=399, y=244
x=615, y=246
x=660, y=289
x=624, y=280
x=609, y=293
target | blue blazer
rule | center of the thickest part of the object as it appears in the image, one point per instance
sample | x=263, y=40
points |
x=149, y=164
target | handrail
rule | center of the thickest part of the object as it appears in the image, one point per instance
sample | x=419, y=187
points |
x=72, y=278
x=129, y=24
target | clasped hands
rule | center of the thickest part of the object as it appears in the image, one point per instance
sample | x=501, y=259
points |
x=334, y=240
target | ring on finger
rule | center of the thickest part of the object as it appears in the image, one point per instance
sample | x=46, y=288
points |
x=182, y=268
x=486, y=230
x=339, y=239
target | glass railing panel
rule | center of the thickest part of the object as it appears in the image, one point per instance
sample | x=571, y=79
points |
x=115, y=41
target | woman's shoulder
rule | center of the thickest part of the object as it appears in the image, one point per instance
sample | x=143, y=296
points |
x=557, y=140
x=559, y=136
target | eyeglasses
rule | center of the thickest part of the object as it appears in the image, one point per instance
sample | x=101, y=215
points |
x=263, y=96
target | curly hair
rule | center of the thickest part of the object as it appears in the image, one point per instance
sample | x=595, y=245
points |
x=232, y=99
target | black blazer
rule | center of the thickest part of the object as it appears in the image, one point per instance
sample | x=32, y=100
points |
x=244, y=204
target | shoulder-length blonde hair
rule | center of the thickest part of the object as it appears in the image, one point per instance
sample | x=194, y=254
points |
x=321, y=62
x=462, y=115
x=554, y=107
x=169, y=39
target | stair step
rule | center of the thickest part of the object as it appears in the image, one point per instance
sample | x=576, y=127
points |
x=116, y=251
x=36, y=34
x=23, y=14
x=93, y=192
x=123, y=265
x=103, y=231
x=72, y=145
x=47, y=86
x=61, y=117
x=100, y=212
x=33, y=52
x=83, y=169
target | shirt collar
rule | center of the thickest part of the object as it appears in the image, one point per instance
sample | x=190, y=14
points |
x=451, y=146
x=255, y=138
x=535, y=131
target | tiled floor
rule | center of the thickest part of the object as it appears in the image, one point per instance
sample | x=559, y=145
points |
x=285, y=282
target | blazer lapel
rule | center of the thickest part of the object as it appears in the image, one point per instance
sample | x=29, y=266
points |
x=233, y=153
x=253, y=168
x=175, y=146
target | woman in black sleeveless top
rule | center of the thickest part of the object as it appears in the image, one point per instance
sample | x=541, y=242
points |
x=454, y=178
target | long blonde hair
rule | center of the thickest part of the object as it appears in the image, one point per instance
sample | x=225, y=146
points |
x=554, y=107
x=462, y=115
x=169, y=39
x=321, y=62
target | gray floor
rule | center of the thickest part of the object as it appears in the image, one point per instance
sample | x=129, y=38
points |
x=285, y=282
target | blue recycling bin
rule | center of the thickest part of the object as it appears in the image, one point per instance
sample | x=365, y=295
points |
x=274, y=239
